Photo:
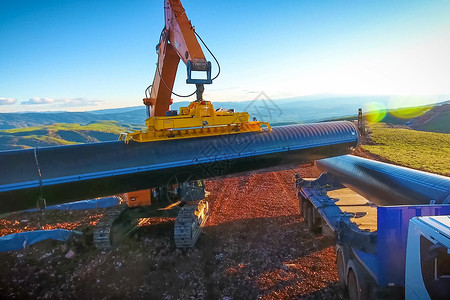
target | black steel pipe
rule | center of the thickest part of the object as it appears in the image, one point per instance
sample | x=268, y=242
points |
x=81, y=171
x=387, y=184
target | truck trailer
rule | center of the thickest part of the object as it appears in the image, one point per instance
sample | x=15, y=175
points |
x=386, y=248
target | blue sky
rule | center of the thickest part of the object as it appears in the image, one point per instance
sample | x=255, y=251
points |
x=84, y=55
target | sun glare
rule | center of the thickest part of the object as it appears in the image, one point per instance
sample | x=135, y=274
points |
x=376, y=111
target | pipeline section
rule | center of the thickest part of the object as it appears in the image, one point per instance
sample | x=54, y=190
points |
x=387, y=184
x=74, y=172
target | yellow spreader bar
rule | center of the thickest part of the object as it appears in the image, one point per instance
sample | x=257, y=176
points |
x=199, y=119
x=169, y=134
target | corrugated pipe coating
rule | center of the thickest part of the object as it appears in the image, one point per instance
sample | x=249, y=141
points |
x=83, y=171
x=386, y=184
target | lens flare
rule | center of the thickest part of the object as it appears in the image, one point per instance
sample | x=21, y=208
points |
x=375, y=111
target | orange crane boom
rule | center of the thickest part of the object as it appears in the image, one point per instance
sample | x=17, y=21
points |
x=177, y=41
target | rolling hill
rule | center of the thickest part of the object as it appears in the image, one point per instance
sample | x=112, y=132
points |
x=437, y=119
x=286, y=111
x=61, y=134
x=25, y=130
x=32, y=119
x=433, y=118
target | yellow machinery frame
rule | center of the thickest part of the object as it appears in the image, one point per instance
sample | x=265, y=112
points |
x=197, y=120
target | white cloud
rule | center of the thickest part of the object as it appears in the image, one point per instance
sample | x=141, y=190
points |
x=7, y=101
x=36, y=100
x=63, y=102
x=68, y=102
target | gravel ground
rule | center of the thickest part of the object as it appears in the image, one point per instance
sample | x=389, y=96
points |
x=255, y=246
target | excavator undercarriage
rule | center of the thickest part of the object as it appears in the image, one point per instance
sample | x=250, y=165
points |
x=187, y=201
x=190, y=220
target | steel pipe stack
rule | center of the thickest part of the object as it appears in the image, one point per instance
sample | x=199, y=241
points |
x=387, y=184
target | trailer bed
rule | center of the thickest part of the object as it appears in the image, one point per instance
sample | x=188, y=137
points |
x=370, y=239
x=364, y=213
x=336, y=203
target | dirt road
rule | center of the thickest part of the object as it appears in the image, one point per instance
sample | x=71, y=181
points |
x=255, y=246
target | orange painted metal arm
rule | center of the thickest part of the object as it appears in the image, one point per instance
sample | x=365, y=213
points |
x=181, y=33
x=166, y=70
x=178, y=41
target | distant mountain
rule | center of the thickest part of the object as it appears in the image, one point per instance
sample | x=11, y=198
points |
x=24, y=130
x=431, y=118
x=20, y=120
x=116, y=110
x=286, y=111
x=302, y=109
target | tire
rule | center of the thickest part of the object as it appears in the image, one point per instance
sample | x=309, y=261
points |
x=305, y=204
x=352, y=287
x=341, y=267
x=301, y=202
x=313, y=225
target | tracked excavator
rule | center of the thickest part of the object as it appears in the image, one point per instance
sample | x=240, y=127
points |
x=187, y=201
x=178, y=41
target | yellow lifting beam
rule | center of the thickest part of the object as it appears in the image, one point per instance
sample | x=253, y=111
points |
x=199, y=119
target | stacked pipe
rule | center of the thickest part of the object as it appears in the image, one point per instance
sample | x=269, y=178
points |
x=387, y=184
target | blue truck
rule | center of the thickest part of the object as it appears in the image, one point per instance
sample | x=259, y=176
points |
x=391, y=225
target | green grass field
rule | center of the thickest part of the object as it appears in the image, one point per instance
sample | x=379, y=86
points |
x=427, y=151
x=104, y=126
x=60, y=134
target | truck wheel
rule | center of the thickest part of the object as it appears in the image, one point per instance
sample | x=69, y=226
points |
x=341, y=267
x=305, y=205
x=301, y=202
x=311, y=221
x=352, y=287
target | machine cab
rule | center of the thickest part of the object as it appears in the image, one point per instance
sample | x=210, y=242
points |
x=427, y=274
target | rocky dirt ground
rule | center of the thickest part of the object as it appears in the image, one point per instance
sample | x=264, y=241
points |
x=255, y=246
